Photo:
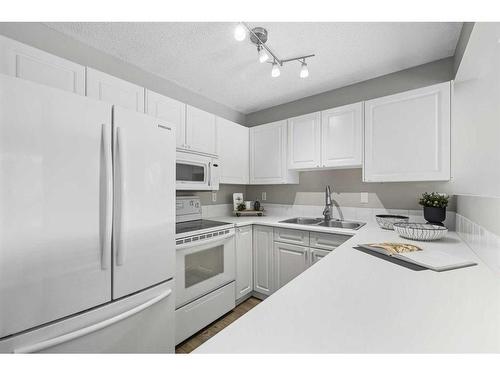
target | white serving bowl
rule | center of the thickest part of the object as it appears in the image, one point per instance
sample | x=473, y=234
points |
x=420, y=231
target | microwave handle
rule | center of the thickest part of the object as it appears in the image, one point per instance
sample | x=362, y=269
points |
x=209, y=173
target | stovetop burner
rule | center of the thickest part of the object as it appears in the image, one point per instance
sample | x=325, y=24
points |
x=195, y=225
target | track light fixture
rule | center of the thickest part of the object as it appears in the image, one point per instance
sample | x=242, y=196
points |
x=263, y=56
x=258, y=36
x=275, y=71
x=304, y=72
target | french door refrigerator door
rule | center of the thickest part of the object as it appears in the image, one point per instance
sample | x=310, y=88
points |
x=144, y=213
x=55, y=204
x=141, y=323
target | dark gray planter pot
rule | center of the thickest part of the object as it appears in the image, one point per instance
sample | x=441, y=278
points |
x=435, y=215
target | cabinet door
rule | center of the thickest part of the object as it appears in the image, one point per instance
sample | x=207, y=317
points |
x=201, y=131
x=317, y=255
x=105, y=87
x=22, y=61
x=289, y=262
x=304, y=135
x=263, y=259
x=268, y=163
x=407, y=136
x=233, y=151
x=244, y=267
x=170, y=110
x=342, y=136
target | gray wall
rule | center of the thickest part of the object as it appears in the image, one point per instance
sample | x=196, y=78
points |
x=408, y=79
x=484, y=211
x=347, y=186
x=224, y=195
x=40, y=36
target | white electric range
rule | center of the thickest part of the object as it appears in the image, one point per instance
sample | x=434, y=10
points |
x=205, y=268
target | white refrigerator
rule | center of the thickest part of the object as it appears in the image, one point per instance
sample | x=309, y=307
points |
x=87, y=224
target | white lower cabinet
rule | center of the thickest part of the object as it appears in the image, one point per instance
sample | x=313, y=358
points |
x=244, y=266
x=263, y=259
x=316, y=255
x=289, y=262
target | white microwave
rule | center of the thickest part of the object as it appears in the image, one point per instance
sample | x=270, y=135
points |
x=196, y=172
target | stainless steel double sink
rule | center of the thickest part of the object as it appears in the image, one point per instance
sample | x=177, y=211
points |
x=334, y=223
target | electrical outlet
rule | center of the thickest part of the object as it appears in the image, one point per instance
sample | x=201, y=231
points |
x=264, y=196
x=364, y=197
x=214, y=196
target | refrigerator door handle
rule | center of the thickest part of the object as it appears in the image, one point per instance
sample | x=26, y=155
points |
x=119, y=240
x=108, y=203
x=93, y=328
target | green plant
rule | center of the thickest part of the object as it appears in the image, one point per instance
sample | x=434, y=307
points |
x=240, y=206
x=434, y=200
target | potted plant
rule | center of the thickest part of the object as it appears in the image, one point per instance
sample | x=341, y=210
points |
x=434, y=207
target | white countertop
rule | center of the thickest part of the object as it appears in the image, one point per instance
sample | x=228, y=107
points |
x=353, y=302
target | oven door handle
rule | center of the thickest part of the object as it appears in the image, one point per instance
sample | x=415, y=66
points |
x=205, y=241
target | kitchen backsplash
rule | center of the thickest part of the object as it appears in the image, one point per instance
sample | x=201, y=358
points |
x=365, y=214
x=478, y=224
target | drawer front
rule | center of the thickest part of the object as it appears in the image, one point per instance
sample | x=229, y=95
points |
x=298, y=237
x=192, y=317
x=327, y=241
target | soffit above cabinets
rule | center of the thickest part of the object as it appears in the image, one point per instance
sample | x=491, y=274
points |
x=205, y=57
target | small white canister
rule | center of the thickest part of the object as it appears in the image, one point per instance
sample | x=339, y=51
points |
x=248, y=205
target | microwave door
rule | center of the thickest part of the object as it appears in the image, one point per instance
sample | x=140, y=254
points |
x=191, y=175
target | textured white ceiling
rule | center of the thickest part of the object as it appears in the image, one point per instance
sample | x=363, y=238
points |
x=205, y=58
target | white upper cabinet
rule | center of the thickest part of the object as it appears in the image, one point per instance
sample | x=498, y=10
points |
x=407, y=136
x=233, y=151
x=342, y=136
x=170, y=110
x=201, y=131
x=105, y=87
x=22, y=61
x=304, y=139
x=268, y=155
x=330, y=139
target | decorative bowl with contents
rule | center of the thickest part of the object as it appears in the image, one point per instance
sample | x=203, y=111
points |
x=420, y=232
x=387, y=221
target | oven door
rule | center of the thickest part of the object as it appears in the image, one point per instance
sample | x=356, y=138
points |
x=203, y=266
x=192, y=172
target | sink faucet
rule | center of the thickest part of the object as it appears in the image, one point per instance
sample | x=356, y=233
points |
x=327, y=212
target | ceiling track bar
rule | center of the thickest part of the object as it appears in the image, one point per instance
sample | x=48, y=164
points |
x=298, y=58
x=276, y=58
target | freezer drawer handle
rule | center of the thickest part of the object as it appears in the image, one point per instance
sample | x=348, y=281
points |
x=93, y=328
x=120, y=246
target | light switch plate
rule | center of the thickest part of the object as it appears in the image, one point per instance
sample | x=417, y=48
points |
x=264, y=196
x=364, y=197
x=214, y=196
